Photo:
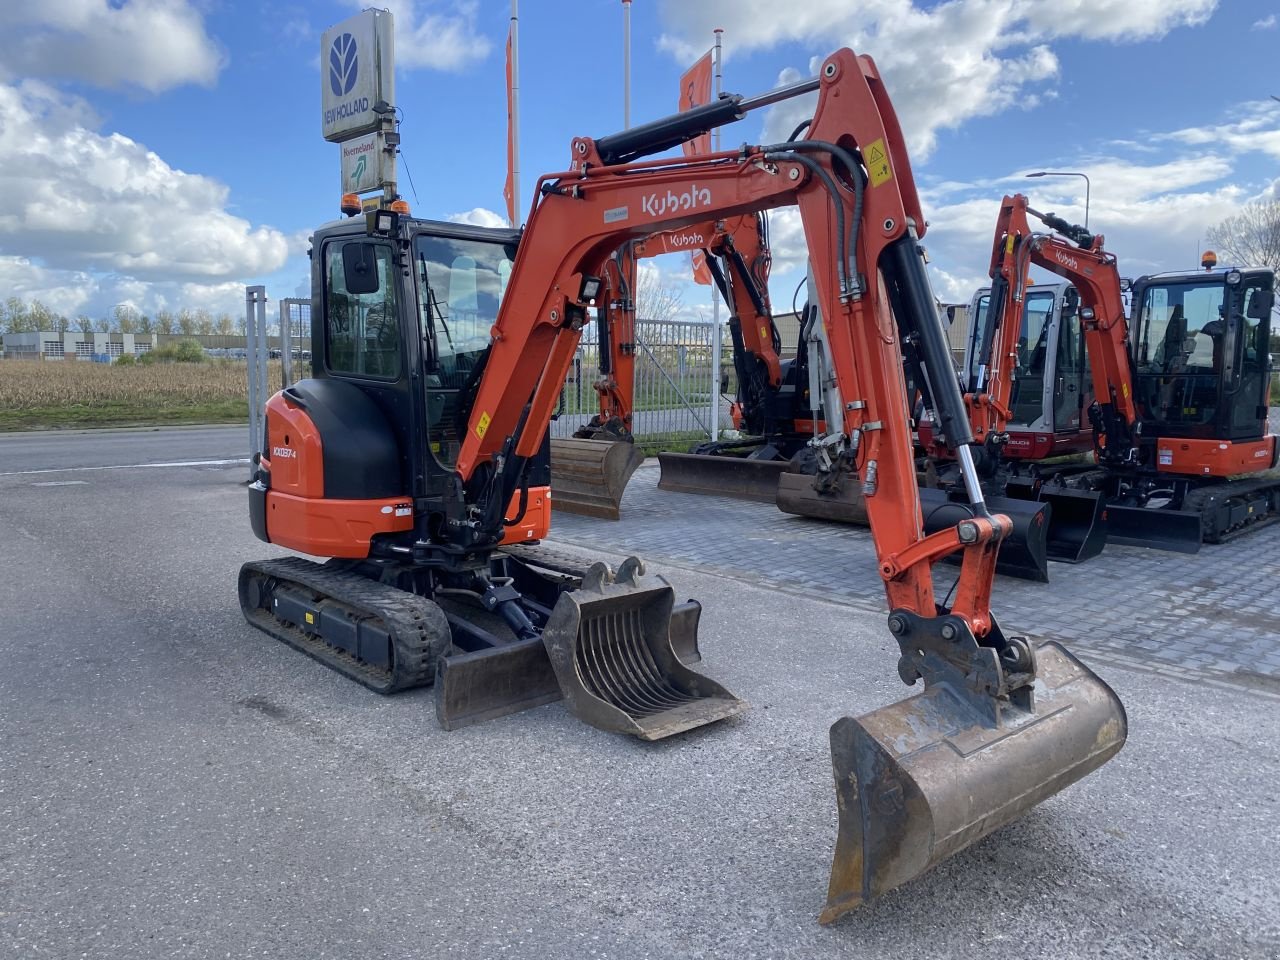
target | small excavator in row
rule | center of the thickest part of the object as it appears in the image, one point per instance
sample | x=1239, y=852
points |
x=416, y=459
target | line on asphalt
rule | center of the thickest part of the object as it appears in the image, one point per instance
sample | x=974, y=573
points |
x=60, y=483
x=128, y=466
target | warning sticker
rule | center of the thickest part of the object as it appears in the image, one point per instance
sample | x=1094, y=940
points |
x=1166, y=458
x=482, y=425
x=877, y=160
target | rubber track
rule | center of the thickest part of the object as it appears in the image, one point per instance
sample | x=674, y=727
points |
x=418, y=628
x=1197, y=499
x=540, y=555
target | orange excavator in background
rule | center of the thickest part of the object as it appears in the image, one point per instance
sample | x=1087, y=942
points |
x=417, y=456
x=1178, y=419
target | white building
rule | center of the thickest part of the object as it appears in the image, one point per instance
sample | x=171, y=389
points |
x=103, y=347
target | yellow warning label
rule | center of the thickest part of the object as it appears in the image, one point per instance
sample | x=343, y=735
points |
x=1124, y=388
x=764, y=334
x=311, y=617
x=482, y=425
x=877, y=160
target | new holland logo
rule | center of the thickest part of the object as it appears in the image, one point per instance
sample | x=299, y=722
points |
x=656, y=206
x=285, y=452
x=343, y=65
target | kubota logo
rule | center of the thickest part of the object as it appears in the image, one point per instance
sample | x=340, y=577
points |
x=1071, y=263
x=655, y=205
x=284, y=452
x=343, y=65
x=678, y=240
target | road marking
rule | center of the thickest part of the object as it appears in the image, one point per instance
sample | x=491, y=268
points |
x=128, y=466
x=59, y=483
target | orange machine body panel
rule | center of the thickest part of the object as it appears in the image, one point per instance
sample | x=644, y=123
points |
x=536, y=520
x=1214, y=458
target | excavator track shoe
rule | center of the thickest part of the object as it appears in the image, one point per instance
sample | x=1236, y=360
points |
x=588, y=477
x=384, y=638
x=919, y=780
x=610, y=646
x=720, y=476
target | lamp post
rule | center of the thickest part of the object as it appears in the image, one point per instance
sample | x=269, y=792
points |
x=1066, y=173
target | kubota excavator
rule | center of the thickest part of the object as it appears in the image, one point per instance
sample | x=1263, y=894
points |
x=418, y=456
x=1179, y=396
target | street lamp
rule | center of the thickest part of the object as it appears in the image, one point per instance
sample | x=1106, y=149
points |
x=1064, y=173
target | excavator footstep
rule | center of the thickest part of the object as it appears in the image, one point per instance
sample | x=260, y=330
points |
x=610, y=646
x=921, y=779
x=588, y=477
x=720, y=476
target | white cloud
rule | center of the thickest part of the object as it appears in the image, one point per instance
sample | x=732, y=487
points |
x=943, y=64
x=1265, y=23
x=153, y=45
x=478, y=217
x=93, y=211
x=1253, y=128
x=436, y=34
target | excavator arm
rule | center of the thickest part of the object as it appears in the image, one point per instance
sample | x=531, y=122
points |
x=1001, y=722
x=1078, y=256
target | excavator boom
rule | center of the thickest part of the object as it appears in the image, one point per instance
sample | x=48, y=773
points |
x=1002, y=723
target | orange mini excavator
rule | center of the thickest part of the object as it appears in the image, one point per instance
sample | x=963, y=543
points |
x=417, y=456
x=1182, y=454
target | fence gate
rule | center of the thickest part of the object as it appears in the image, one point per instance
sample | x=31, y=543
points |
x=675, y=391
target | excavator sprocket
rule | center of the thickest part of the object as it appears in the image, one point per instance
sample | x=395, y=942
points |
x=384, y=638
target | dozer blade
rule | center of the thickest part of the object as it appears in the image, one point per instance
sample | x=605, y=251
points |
x=610, y=646
x=1179, y=531
x=1078, y=527
x=921, y=779
x=588, y=477
x=845, y=504
x=1023, y=553
x=720, y=476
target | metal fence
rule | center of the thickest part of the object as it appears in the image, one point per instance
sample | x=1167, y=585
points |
x=674, y=398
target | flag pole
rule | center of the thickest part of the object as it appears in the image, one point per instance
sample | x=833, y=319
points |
x=626, y=64
x=716, y=337
x=515, y=111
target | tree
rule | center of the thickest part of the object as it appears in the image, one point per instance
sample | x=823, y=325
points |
x=144, y=324
x=164, y=322
x=204, y=322
x=657, y=298
x=103, y=324
x=39, y=317
x=84, y=323
x=61, y=324
x=16, y=319
x=225, y=325
x=126, y=318
x=186, y=322
x=1252, y=237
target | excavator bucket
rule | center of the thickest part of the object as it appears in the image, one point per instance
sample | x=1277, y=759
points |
x=921, y=779
x=610, y=646
x=1023, y=554
x=720, y=476
x=1078, y=531
x=588, y=477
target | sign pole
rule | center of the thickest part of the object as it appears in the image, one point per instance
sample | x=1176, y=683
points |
x=716, y=337
x=626, y=64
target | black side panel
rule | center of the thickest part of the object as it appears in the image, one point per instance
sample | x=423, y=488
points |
x=361, y=459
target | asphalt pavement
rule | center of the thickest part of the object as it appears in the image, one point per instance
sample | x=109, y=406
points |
x=176, y=784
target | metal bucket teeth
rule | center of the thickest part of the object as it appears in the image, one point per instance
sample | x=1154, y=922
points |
x=588, y=477
x=721, y=476
x=610, y=646
x=921, y=779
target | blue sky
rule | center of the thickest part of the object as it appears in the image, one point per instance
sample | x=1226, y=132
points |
x=166, y=152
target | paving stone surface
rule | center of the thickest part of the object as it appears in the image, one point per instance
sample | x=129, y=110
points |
x=1214, y=615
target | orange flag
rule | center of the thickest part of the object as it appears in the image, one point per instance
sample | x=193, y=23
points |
x=695, y=90
x=508, y=188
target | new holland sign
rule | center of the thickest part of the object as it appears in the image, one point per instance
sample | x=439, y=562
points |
x=357, y=63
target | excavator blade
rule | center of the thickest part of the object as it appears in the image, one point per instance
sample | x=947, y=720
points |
x=610, y=646
x=921, y=779
x=1078, y=530
x=588, y=477
x=1023, y=554
x=1178, y=531
x=720, y=476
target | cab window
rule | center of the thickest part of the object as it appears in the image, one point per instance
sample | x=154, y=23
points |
x=362, y=336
